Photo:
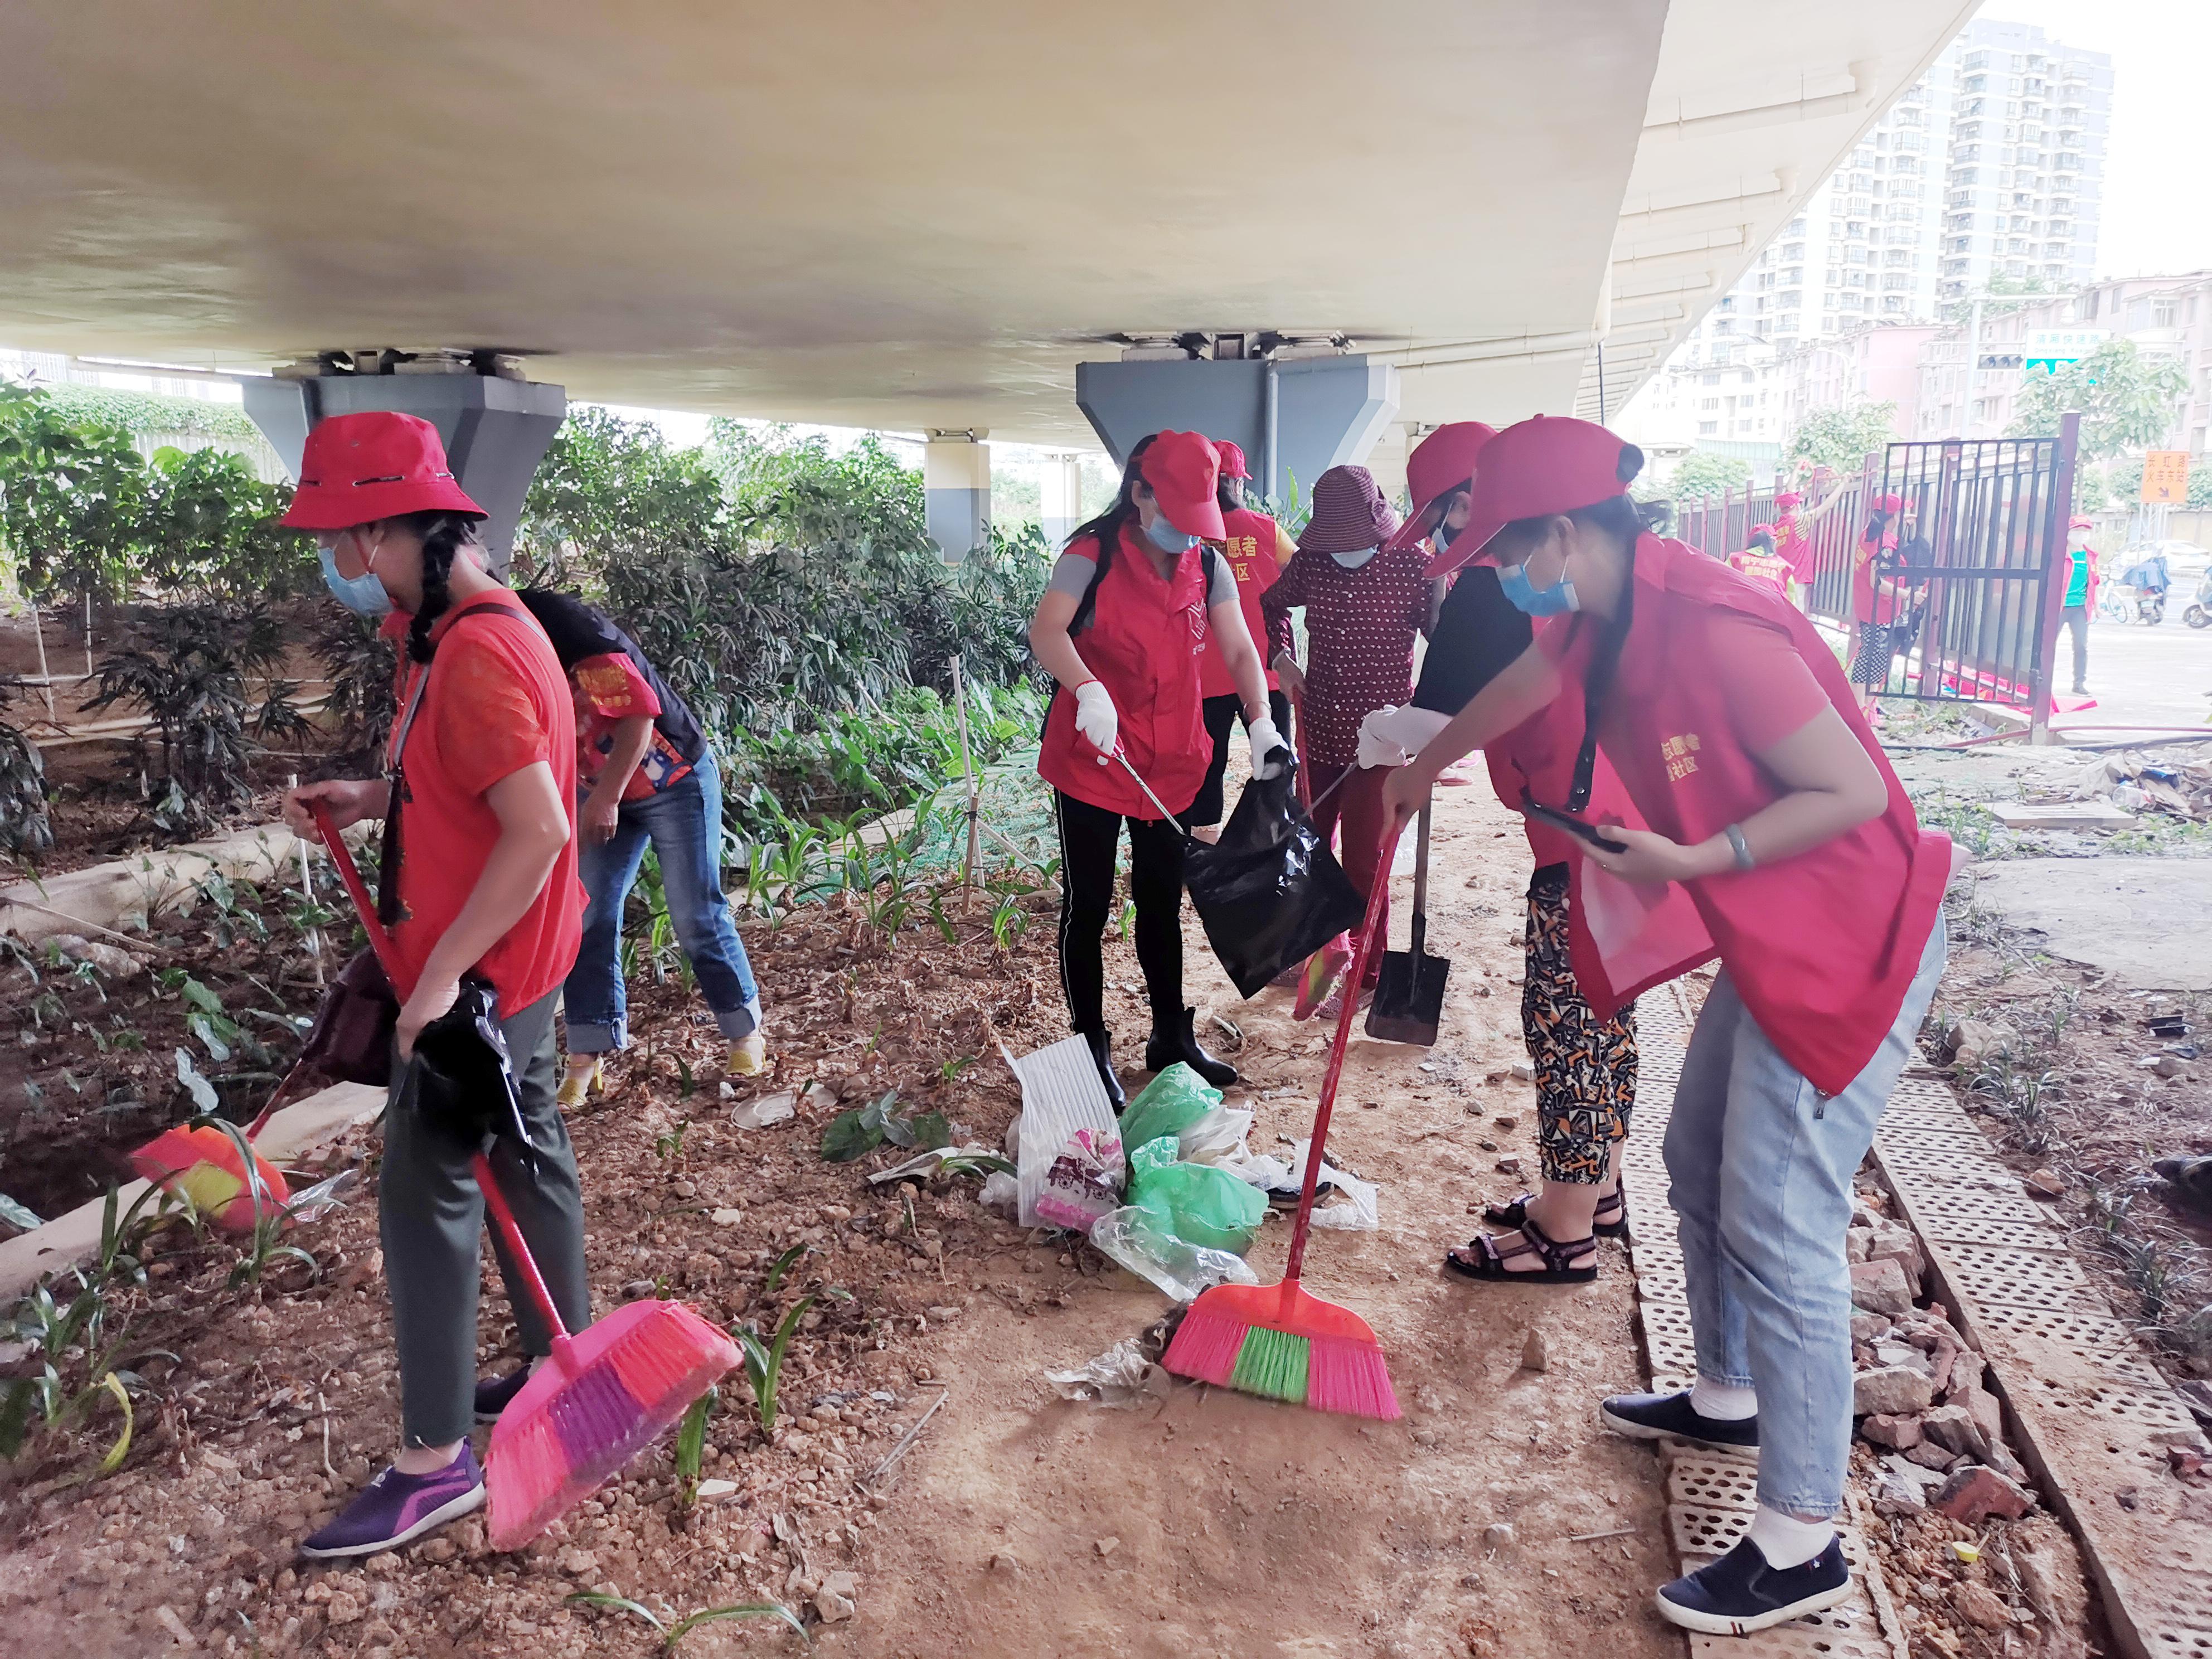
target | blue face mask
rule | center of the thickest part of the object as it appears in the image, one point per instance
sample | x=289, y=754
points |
x=1168, y=538
x=363, y=595
x=1525, y=596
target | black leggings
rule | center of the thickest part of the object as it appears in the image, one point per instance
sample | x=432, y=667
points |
x=1089, y=837
x=1222, y=713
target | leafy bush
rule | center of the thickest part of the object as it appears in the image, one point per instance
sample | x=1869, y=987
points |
x=189, y=676
x=362, y=665
x=23, y=824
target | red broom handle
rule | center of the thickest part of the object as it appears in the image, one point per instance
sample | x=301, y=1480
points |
x=380, y=942
x=1370, y=930
x=495, y=1201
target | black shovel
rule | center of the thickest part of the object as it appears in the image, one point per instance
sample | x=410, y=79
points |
x=1409, y=997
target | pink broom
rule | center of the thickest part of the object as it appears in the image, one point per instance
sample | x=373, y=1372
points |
x=606, y=1393
x=1275, y=1340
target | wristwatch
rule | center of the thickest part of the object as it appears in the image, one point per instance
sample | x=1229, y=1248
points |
x=1740, y=847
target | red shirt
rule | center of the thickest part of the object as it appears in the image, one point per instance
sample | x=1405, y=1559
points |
x=609, y=691
x=1360, y=629
x=1821, y=946
x=1256, y=549
x=1768, y=569
x=496, y=701
x=1143, y=643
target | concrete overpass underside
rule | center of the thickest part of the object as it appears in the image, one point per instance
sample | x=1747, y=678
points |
x=916, y=218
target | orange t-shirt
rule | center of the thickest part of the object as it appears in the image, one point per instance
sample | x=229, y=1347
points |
x=496, y=702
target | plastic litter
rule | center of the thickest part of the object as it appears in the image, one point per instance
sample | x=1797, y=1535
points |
x=1199, y=1203
x=1359, y=1210
x=1122, y=1377
x=318, y=1201
x=1001, y=1194
x=1217, y=1137
x=1062, y=1096
x=1084, y=1182
x=1136, y=1239
x=760, y=1114
x=1171, y=1103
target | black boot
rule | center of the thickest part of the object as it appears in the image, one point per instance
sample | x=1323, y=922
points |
x=1174, y=1040
x=1101, y=1051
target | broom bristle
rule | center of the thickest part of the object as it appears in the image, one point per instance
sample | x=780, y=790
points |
x=1205, y=1346
x=550, y=1453
x=1272, y=1365
x=1350, y=1377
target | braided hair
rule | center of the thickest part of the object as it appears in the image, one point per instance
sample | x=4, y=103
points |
x=443, y=535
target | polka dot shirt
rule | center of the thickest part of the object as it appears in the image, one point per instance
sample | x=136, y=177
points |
x=1360, y=629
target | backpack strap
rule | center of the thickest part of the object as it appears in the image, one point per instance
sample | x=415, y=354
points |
x=1208, y=560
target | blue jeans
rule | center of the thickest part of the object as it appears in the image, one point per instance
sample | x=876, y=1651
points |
x=1760, y=1164
x=684, y=824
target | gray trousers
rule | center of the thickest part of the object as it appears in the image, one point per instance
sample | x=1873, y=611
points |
x=432, y=1218
x=2076, y=618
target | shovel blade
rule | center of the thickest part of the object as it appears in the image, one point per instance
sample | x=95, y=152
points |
x=1409, y=998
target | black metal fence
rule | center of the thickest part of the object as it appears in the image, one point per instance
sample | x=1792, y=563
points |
x=1978, y=573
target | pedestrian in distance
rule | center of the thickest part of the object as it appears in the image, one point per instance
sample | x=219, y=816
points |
x=477, y=876
x=1772, y=811
x=1257, y=548
x=1122, y=627
x=653, y=783
x=2079, y=602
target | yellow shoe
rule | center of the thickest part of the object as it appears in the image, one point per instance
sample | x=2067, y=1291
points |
x=749, y=1055
x=586, y=1076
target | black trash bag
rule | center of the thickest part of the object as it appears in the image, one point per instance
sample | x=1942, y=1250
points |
x=1269, y=892
x=463, y=1076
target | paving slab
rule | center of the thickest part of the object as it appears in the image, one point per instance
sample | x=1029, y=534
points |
x=2148, y=921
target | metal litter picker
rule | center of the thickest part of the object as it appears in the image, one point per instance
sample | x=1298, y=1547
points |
x=606, y=1393
x=1276, y=1340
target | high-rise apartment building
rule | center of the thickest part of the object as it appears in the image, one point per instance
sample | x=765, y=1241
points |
x=1989, y=169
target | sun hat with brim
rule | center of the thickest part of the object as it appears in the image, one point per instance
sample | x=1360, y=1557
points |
x=1349, y=513
x=1440, y=463
x=1232, y=458
x=1185, y=474
x=1546, y=464
x=356, y=469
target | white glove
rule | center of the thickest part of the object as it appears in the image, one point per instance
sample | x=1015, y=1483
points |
x=1269, y=751
x=1095, y=717
x=1393, y=736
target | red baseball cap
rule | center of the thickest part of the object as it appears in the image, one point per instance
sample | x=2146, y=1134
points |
x=1787, y=498
x=356, y=469
x=1440, y=461
x=1184, y=474
x=1232, y=458
x=1544, y=464
x=2080, y=523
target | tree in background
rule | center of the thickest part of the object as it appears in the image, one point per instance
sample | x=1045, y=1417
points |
x=2127, y=399
x=1700, y=473
x=1842, y=436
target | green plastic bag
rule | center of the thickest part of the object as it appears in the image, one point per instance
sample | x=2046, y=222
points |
x=1167, y=1105
x=1198, y=1203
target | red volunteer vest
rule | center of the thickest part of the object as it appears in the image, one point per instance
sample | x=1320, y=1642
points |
x=1792, y=544
x=1143, y=643
x=1822, y=946
x=1250, y=547
x=1770, y=569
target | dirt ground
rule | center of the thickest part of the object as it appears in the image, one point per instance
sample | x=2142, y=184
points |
x=1217, y=1525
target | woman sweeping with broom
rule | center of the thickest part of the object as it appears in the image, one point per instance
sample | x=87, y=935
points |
x=1738, y=741
x=478, y=876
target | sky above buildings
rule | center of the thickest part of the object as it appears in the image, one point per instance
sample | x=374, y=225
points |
x=2157, y=210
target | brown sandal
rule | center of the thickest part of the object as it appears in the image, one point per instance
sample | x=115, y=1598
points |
x=1560, y=1260
x=1515, y=1211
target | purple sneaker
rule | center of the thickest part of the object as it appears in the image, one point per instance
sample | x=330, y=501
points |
x=394, y=1508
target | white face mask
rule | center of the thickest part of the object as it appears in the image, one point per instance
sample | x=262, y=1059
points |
x=1353, y=560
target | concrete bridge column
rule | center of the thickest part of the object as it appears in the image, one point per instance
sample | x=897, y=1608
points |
x=955, y=483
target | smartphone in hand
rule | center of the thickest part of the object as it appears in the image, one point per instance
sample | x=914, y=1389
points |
x=1568, y=821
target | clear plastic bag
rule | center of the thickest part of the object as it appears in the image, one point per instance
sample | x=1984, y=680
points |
x=1136, y=1239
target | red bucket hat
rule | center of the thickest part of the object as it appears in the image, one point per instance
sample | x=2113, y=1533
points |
x=377, y=465
x=1232, y=458
x=1440, y=461
x=1544, y=464
x=1184, y=474
x=1349, y=513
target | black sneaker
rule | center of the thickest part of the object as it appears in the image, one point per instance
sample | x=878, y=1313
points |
x=495, y=1395
x=1671, y=1416
x=1740, y=1593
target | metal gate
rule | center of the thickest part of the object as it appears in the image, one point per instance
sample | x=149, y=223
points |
x=1982, y=540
